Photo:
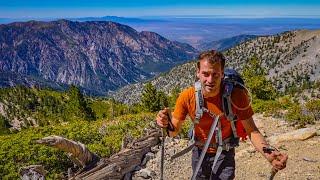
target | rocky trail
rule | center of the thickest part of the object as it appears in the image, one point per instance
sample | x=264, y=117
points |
x=303, y=163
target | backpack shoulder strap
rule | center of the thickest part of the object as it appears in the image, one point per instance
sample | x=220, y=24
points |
x=230, y=80
x=199, y=102
x=226, y=99
x=227, y=107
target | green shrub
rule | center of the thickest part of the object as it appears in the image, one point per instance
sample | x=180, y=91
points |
x=272, y=107
x=102, y=137
x=185, y=128
x=297, y=116
x=269, y=107
x=313, y=106
x=46, y=107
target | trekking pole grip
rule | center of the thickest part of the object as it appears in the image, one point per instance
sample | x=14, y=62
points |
x=170, y=125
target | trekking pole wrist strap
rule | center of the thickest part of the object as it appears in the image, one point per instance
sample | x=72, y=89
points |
x=170, y=125
x=169, y=128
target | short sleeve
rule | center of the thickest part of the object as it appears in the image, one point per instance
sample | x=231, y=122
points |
x=241, y=104
x=181, y=108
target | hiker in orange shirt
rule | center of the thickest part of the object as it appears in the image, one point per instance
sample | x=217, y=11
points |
x=210, y=72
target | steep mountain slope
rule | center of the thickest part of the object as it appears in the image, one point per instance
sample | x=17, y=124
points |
x=10, y=79
x=181, y=76
x=290, y=58
x=100, y=56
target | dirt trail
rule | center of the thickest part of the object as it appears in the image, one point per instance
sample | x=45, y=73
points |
x=303, y=163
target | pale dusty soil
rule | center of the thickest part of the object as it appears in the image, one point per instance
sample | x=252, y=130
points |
x=303, y=163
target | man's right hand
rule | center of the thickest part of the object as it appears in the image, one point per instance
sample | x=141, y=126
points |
x=163, y=118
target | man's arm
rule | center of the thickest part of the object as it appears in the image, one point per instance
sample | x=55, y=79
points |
x=277, y=159
x=254, y=134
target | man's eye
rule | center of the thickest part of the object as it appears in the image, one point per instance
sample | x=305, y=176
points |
x=215, y=74
x=205, y=74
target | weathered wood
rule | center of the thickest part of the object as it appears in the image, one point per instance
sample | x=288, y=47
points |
x=77, y=152
x=114, y=167
x=123, y=162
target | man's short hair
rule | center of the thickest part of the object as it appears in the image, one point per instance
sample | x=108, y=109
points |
x=212, y=56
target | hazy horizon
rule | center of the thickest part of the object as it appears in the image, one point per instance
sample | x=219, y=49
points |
x=142, y=8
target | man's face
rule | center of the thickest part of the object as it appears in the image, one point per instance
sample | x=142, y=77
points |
x=210, y=76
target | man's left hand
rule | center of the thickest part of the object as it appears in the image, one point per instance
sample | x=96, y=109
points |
x=277, y=159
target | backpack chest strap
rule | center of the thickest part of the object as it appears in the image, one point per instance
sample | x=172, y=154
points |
x=226, y=144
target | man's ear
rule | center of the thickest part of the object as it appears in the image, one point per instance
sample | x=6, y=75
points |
x=198, y=73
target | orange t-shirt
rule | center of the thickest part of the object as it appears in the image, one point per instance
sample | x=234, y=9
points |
x=186, y=105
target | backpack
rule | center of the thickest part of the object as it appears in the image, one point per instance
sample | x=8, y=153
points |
x=231, y=80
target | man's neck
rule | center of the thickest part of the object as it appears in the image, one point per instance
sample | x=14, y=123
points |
x=210, y=94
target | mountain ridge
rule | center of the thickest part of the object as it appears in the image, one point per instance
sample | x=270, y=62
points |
x=291, y=59
x=94, y=55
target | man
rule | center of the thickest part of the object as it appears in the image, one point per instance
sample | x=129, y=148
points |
x=210, y=68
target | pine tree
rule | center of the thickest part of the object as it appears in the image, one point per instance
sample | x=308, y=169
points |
x=163, y=99
x=77, y=105
x=255, y=78
x=152, y=100
x=3, y=125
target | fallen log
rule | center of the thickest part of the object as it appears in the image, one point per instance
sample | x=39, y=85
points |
x=114, y=167
x=77, y=152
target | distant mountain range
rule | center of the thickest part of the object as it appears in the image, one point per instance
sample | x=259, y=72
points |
x=292, y=59
x=198, y=30
x=201, y=29
x=97, y=56
x=227, y=43
x=122, y=20
x=118, y=19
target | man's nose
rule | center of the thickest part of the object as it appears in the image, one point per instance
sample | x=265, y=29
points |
x=210, y=79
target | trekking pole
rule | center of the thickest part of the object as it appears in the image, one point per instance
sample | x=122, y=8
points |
x=272, y=174
x=164, y=133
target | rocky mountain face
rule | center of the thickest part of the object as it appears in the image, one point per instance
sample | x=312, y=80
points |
x=9, y=79
x=99, y=56
x=291, y=59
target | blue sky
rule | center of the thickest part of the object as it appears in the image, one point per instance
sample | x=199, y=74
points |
x=138, y=8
